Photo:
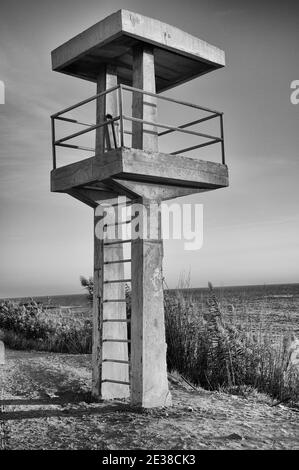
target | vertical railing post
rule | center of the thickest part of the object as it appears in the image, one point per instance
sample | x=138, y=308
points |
x=222, y=139
x=53, y=142
x=121, y=120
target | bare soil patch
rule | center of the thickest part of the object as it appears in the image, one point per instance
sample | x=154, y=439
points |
x=46, y=404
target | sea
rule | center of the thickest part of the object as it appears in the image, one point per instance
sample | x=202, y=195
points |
x=273, y=307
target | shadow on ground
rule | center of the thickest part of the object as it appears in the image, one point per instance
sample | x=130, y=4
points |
x=46, y=403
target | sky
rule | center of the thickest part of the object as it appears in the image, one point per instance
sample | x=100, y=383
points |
x=250, y=229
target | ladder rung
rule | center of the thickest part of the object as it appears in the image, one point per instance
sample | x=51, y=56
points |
x=119, y=204
x=119, y=223
x=117, y=242
x=94, y=188
x=114, y=300
x=115, y=381
x=117, y=280
x=116, y=360
x=116, y=340
x=116, y=320
x=118, y=261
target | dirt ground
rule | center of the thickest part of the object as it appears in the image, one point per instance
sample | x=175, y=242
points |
x=45, y=404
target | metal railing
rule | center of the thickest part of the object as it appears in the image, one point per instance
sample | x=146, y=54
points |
x=121, y=117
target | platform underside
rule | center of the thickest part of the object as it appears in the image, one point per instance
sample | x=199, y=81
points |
x=179, y=56
x=137, y=173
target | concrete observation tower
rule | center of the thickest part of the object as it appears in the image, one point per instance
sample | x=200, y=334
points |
x=132, y=59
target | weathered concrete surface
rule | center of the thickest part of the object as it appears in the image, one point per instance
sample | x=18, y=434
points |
x=142, y=166
x=144, y=136
x=179, y=56
x=106, y=104
x=149, y=384
x=157, y=192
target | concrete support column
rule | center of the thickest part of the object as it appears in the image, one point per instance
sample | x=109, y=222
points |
x=149, y=384
x=102, y=330
x=106, y=104
x=97, y=327
x=144, y=106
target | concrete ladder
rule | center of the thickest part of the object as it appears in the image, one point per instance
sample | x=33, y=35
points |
x=114, y=342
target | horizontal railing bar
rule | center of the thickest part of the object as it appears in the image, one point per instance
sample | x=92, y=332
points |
x=129, y=88
x=196, y=147
x=116, y=243
x=115, y=381
x=84, y=131
x=114, y=300
x=127, y=260
x=116, y=320
x=210, y=143
x=168, y=129
x=87, y=100
x=173, y=100
x=78, y=147
x=74, y=121
x=164, y=126
x=113, y=281
x=116, y=340
x=116, y=360
x=189, y=124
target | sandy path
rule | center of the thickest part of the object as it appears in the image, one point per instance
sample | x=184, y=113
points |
x=45, y=404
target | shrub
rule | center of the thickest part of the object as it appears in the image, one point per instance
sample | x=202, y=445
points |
x=214, y=353
x=88, y=285
x=28, y=326
x=205, y=346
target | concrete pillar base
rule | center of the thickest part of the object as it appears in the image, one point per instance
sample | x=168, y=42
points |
x=149, y=382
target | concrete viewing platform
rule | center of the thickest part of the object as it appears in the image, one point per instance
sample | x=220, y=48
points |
x=138, y=166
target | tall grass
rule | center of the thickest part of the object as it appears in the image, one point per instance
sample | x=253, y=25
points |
x=213, y=352
x=30, y=327
x=206, y=346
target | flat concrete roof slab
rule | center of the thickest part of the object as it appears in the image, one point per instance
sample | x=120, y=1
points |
x=179, y=56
